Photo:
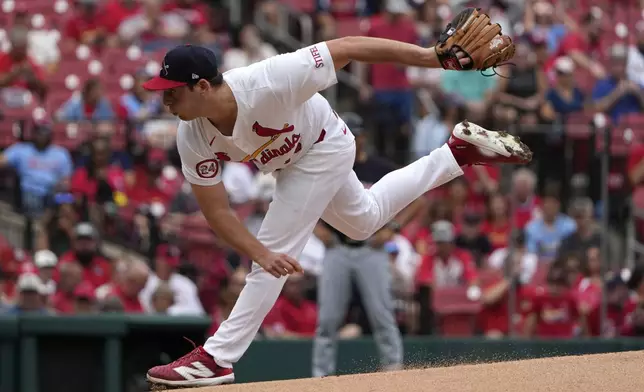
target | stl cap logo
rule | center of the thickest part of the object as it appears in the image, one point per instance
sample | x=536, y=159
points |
x=195, y=76
x=165, y=69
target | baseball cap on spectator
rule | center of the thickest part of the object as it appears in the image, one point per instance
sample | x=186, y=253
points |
x=184, y=65
x=354, y=122
x=443, y=231
x=45, y=259
x=85, y=230
x=31, y=282
x=398, y=6
x=85, y=291
x=170, y=254
x=564, y=65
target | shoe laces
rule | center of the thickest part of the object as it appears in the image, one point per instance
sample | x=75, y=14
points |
x=192, y=354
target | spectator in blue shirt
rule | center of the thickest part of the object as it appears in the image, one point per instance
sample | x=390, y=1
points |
x=564, y=97
x=140, y=104
x=544, y=234
x=89, y=105
x=31, y=295
x=616, y=95
x=40, y=166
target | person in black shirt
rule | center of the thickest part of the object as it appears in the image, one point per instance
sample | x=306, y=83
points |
x=366, y=263
x=587, y=235
x=472, y=239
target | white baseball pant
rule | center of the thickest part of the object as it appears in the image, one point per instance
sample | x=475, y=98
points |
x=321, y=184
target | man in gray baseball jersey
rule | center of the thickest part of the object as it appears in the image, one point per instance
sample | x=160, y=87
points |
x=366, y=263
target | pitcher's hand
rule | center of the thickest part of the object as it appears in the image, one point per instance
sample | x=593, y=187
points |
x=278, y=264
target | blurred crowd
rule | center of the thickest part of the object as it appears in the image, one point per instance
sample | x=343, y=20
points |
x=89, y=159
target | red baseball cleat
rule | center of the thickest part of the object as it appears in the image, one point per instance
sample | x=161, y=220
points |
x=475, y=145
x=195, y=369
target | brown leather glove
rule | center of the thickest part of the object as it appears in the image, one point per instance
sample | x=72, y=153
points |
x=481, y=41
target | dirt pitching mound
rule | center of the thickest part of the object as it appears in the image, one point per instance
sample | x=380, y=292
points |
x=618, y=372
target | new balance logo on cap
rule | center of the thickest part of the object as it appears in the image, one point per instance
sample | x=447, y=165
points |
x=184, y=66
x=199, y=370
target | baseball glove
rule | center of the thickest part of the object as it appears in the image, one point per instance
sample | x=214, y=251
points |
x=481, y=41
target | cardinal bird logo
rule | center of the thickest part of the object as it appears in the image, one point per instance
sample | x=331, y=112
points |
x=270, y=132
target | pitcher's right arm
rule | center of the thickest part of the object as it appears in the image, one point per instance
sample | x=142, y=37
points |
x=204, y=175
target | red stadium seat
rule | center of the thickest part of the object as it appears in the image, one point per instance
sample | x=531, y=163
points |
x=579, y=129
x=456, y=314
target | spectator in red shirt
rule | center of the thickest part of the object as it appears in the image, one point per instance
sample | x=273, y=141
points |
x=229, y=292
x=553, y=313
x=392, y=94
x=458, y=199
x=153, y=27
x=100, y=177
x=84, y=299
x=498, y=225
x=70, y=275
x=85, y=250
x=583, y=46
x=293, y=315
x=150, y=185
x=85, y=25
x=447, y=265
x=421, y=238
x=634, y=307
x=18, y=71
x=483, y=181
x=118, y=11
x=618, y=306
x=194, y=12
x=128, y=289
x=527, y=205
x=508, y=268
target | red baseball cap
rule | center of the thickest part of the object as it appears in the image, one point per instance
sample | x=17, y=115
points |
x=184, y=65
x=169, y=254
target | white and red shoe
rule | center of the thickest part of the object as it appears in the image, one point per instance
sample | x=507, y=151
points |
x=474, y=145
x=195, y=369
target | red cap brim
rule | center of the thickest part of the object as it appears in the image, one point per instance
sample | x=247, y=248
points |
x=158, y=83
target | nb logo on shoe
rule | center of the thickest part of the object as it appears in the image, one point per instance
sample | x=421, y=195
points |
x=197, y=371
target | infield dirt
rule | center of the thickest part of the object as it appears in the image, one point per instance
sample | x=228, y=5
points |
x=615, y=372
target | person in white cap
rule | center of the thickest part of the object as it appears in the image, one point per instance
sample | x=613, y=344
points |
x=46, y=261
x=31, y=295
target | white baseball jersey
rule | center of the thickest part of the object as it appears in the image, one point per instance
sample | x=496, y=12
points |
x=280, y=116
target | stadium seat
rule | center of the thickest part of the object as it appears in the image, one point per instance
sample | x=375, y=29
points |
x=456, y=314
